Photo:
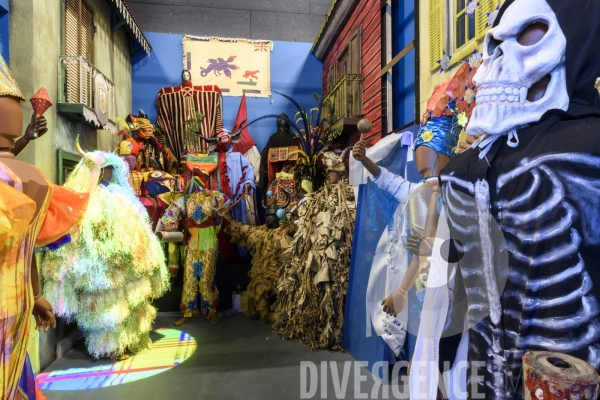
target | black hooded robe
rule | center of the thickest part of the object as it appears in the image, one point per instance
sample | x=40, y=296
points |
x=545, y=196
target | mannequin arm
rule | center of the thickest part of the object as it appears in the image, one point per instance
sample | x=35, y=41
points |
x=36, y=128
x=359, y=152
x=396, y=301
x=42, y=310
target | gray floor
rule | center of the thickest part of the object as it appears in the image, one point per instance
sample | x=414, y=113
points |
x=238, y=359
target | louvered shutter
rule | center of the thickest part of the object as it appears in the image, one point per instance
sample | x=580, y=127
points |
x=436, y=32
x=79, y=41
x=481, y=18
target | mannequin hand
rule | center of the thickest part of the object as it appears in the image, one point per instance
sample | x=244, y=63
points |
x=418, y=245
x=359, y=151
x=462, y=146
x=247, y=188
x=44, y=316
x=37, y=128
x=395, y=302
x=412, y=243
x=227, y=216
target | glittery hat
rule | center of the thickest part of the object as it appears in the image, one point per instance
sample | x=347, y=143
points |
x=8, y=85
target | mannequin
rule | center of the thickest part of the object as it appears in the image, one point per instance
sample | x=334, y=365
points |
x=312, y=288
x=200, y=211
x=20, y=282
x=429, y=164
x=533, y=170
x=87, y=280
x=394, y=271
x=236, y=178
x=281, y=138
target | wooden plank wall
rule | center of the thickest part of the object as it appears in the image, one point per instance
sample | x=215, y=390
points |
x=367, y=16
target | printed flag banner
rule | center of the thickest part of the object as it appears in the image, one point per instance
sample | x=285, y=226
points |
x=236, y=66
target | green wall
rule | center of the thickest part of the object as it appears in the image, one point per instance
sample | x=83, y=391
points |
x=36, y=36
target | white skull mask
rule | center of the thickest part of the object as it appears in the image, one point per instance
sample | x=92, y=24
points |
x=509, y=69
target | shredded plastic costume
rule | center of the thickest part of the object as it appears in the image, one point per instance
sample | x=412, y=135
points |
x=311, y=294
x=106, y=278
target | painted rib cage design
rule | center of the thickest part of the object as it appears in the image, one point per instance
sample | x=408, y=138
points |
x=548, y=302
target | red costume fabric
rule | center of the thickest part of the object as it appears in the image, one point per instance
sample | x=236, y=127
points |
x=176, y=105
x=242, y=116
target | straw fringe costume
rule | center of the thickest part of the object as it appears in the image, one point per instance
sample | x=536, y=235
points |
x=311, y=294
x=106, y=278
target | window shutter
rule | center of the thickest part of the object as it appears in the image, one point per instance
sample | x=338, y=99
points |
x=79, y=41
x=354, y=53
x=481, y=18
x=436, y=32
x=87, y=33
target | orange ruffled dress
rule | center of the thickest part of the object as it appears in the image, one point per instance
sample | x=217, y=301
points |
x=20, y=227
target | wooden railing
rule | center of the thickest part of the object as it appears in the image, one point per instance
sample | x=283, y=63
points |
x=344, y=100
x=85, y=86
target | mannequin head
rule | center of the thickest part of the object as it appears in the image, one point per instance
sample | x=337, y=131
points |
x=11, y=121
x=107, y=173
x=130, y=160
x=186, y=75
x=282, y=124
x=334, y=176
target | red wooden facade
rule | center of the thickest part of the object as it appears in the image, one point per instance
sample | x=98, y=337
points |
x=367, y=16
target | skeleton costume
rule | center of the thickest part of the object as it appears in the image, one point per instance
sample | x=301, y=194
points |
x=537, y=176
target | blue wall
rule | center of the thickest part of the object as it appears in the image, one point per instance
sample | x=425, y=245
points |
x=403, y=73
x=4, y=33
x=294, y=71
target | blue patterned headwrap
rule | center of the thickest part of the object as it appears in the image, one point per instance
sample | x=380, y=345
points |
x=440, y=134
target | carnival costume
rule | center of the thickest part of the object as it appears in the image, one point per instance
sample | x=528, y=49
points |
x=24, y=224
x=311, y=293
x=200, y=212
x=267, y=245
x=537, y=176
x=107, y=277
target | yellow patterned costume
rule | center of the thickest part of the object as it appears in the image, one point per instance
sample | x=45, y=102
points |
x=201, y=214
x=19, y=228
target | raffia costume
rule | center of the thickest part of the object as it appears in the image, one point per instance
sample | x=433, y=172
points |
x=107, y=277
x=311, y=294
x=267, y=247
x=201, y=213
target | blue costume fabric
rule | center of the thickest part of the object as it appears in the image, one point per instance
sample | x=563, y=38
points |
x=240, y=173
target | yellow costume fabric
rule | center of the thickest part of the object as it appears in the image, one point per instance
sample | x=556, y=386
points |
x=201, y=213
x=19, y=229
x=266, y=246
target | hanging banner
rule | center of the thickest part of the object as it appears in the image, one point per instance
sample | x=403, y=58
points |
x=236, y=66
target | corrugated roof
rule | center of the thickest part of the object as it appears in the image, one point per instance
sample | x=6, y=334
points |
x=132, y=24
x=333, y=3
